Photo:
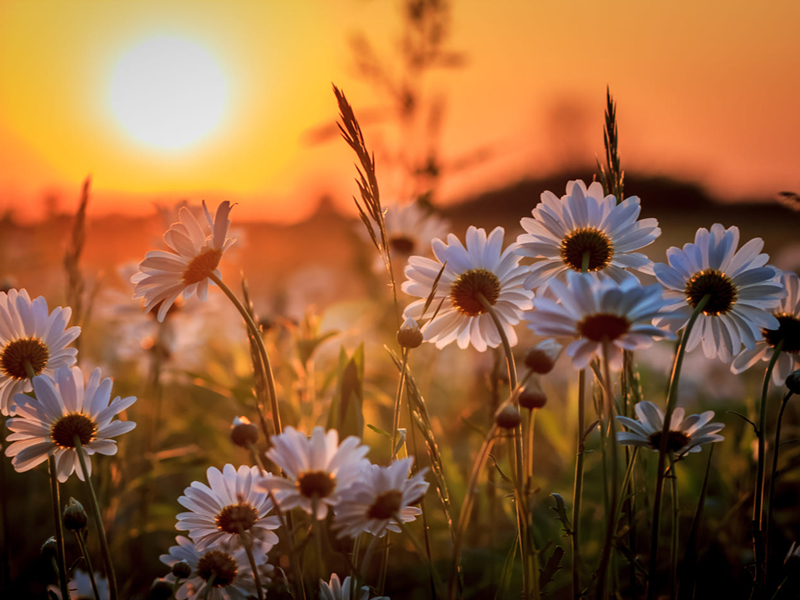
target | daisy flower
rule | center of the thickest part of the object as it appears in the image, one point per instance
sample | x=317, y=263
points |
x=409, y=231
x=217, y=512
x=483, y=267
x=788, y=315
x=585, y=222
x=742, y=290
x=63, y=409
x=195, y=252
x=29, y=334
x=340, y=590
x=593, y=311
x=318, y=469
x=233, y=576
x=381, y=495
x=685, y=435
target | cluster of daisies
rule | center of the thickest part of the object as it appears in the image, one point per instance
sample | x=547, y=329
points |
x=239, y=510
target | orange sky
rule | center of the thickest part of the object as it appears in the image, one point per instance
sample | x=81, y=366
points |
x=706, y=90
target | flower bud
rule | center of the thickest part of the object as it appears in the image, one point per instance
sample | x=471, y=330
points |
x=181, y=569
x=75, y=518
x=243, y=432
x=409, y=334
x=793, y=382
x=160, y=590
x=532, y=396
x=508, y=417
x=50, y=548
x=542, y=358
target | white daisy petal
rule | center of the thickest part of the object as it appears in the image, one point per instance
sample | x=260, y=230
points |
x=685, y=434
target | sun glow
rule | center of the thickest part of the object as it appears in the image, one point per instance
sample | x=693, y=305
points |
x=168, y=93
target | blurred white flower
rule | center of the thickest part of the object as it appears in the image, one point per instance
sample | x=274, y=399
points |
x=48, y=424
x=685, y=435
x=742, y=290
x=80, y=586
x=340, y=590
x=318, y=469
x=585, y=222
x=482, y=268
x=788, y=315
x=594, y=311
x=29, y=334
x=195, y=252
x=227, y=509
x=378, y=497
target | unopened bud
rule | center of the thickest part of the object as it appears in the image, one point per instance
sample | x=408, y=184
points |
x=409, y=334
x=542, y=358
x=160, y=590
x=792, y=560
x=508, y=417
x=75, y=518
x=793, y=382
x=50, y=548
x=532, y=397
x=181, y=569
x=243, y=432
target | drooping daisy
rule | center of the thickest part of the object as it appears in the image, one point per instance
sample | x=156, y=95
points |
x=62, y=410
x=340, y=590
x=31, y=334
x=318, y=469
x=585, y=222
x=595, y=310
x=233, y=576
x=788, y=315
x=230, y=502
x=742, y=291
x=685, y=435
x=483, y=267
x=195, y=252
x=381, y=495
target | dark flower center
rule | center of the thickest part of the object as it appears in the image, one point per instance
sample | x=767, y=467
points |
x=386, y=505
x=603, y=327
x=676, y=440
x=788, y=331
x=402, y=244
x=202, y=266
x=587, y=240
x=220, y=564
x=464, y=291
x=64, y=430
x=25, y=350
x=316, y=483
x=234, y=516
x=716, y=283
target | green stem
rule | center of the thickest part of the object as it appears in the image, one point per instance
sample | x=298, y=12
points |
x=772, y=477
x=248, y=548
x=758, y=508
x=105, y=552
x=398, y=402
x=675, y=529
x=577, y=490
x=209, y=586
x=61, y=551
x=262, y=349
x=611, y=522
x=421, y=552
x=88, y=560
x=317, y=533
x=672, y=397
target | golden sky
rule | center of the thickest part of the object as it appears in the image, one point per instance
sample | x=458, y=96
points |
x=706, y=91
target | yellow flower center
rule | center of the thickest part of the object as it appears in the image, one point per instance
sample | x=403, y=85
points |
x=716, y=283
x=24, y=350
x=788, y=332
x=603, y=326
x=587, y=240
x=464, y=293
x=234, y=516
x=386, y=505
x=64, y=430
x=676, y=440
x=202, y=266
x=316, y=483
x=221, y=565
x=402, y=244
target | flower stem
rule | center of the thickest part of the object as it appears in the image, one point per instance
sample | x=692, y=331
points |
x=758, y=507
x=209, y=586
x=577, y=489
x=672, y=396
x=256, y=333
x=675, y=529
x=112, y=579
x=61, y=554
x=611, y=522
x=88, y=560
x=248, y=548
x=397, y=403
x=772, y=477
x=423, y=554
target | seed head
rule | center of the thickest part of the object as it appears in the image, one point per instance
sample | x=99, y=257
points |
x=181, y=569
x=542, y=358
x=532, y=397
x=75, y=518
x=243, y=432
x=508, y=417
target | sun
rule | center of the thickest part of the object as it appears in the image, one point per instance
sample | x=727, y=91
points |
x=168, y=93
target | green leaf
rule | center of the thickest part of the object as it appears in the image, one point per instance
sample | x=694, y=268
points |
x=561, y=510
x=346, y=413
x=551, y=567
